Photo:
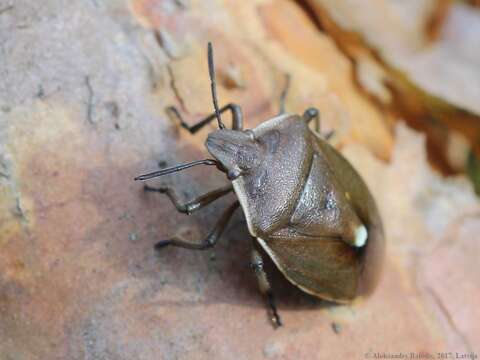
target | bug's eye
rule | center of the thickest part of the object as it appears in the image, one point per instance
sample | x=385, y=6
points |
x=233, y=174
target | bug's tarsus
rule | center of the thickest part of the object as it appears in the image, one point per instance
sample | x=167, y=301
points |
x=173, y=113
x=283, y=95
x=329, y=134
x=192, y=205
x=161, y=244
x=176, y=168
x=211, y=71
x=237, y=118
x=312, y=114
x=256, y=263
x=210, y=240
x=277, y=322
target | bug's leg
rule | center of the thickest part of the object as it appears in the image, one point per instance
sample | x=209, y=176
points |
x=264, y=285
x=211, y=238
x=283, y=96
x=329, y=134
x=312, y=114
x=192, y=205
x=237, y=118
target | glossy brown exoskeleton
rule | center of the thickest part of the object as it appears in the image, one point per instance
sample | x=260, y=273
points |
x=304, y=204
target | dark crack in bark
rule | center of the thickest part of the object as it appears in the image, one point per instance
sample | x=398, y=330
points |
x=168, y=44
x=5, y=9
x=89, y=100
x=151, y=72
x=173, y=86
x=18, y=211
x=308, y=10
x=451, y=322
x=4, y=169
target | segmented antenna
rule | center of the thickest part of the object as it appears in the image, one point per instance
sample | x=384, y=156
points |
x=175, y=169
x=211, y=71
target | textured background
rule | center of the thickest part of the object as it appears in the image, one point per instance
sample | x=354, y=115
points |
x=83, y=89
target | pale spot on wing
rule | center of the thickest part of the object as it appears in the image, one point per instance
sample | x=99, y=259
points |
x=361, y=236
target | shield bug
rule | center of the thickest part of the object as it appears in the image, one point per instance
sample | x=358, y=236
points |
x=304, y=204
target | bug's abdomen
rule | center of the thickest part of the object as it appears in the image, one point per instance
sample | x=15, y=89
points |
x=333, y=244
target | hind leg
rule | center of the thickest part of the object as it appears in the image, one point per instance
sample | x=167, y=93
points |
x=313, y=114
x=264, y=285
x=283, y=96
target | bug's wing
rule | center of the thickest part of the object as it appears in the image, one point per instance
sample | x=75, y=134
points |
x=365, y=207
x=326, y=267
x=324, y=209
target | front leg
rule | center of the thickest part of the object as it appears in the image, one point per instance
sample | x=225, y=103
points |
x=264, y=285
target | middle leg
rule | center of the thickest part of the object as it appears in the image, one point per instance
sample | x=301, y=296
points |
x=193, y=205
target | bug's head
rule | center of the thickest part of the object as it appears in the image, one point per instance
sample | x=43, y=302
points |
x=236, y=151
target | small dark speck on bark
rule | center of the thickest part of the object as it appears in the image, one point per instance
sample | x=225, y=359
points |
x=336, y=327
x=181, y=4
x=113, y=109
x=40, y=92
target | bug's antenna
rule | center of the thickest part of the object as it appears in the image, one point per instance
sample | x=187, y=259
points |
x=175, y=169
x=211, y=71
x=283, y=96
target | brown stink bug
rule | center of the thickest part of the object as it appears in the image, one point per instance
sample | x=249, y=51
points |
x=304, y=203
